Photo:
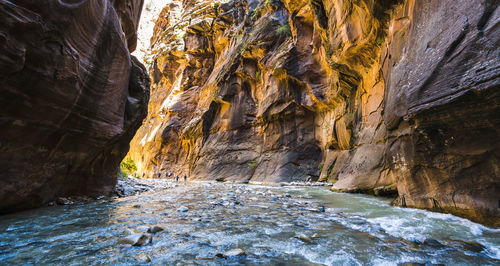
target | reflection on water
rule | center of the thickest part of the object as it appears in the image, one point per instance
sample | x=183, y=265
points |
x=263, y=221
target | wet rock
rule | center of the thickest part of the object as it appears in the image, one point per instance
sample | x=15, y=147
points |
x=143, y=258
x=303, y=238
x=183, y=209
x=207, y=258
x=138, y=239
x=467, y=245
x=233, y=253
x=155, y=229
x=64, y=201
x=433, y=243
x=130, y=186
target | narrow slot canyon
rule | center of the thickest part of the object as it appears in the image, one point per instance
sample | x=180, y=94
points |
x=250, y=132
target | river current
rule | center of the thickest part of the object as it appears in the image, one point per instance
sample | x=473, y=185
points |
x=285, y=225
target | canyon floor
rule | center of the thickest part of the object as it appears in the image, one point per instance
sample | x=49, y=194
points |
x=201, y=223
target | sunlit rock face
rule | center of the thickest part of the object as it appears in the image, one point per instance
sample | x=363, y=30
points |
x=384, y=97
x=72, y=97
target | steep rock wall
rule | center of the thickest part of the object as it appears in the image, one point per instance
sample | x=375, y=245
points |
x=72, y=97
x=383, y=97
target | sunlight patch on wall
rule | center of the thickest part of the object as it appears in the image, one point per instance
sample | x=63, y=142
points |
x=150, y=13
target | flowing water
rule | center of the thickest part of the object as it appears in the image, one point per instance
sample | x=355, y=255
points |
x=343, y=229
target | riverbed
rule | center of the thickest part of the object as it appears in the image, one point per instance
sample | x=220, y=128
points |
x=282, y=225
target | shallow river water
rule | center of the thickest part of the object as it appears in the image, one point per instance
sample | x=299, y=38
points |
x=343, y=229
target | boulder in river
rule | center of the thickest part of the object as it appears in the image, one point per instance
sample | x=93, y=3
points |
x=138, y=239
x=155, y=229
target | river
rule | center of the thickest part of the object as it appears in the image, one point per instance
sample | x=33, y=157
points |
x=287, y=225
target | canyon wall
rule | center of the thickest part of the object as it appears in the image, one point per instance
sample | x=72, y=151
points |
x=384, y=97
x=71, y=97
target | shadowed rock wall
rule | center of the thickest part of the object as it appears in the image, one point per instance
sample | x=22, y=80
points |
x=71, y=97
x=384, y=97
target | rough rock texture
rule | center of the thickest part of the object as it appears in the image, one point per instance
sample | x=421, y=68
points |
x=385, y=97
x=72, y=97
x=443, y=107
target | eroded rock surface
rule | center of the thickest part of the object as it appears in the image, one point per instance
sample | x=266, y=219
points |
x=384, y=97
x=72, y=97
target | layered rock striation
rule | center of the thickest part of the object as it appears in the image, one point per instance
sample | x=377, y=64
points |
x=71, y=97
x=384, y=97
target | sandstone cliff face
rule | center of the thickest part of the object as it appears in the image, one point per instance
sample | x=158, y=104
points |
x=72, y=97
x=384, y=97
